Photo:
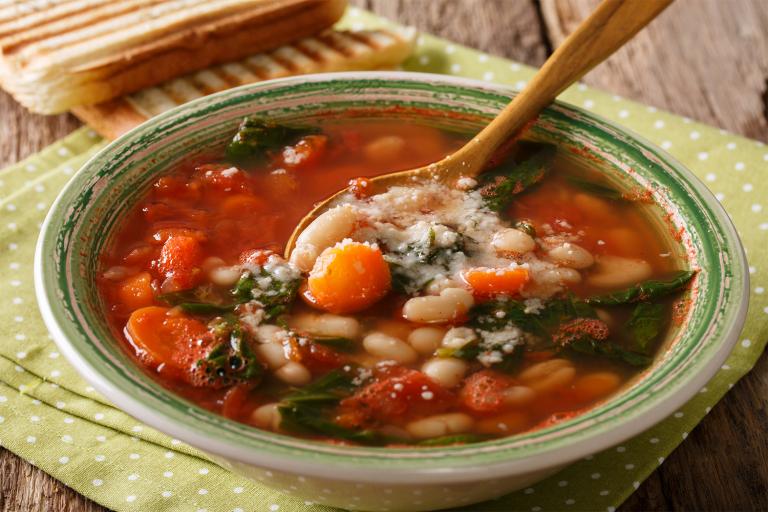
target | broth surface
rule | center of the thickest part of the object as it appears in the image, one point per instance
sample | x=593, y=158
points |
x=334, y=351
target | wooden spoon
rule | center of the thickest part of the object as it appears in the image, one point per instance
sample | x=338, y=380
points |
x=612, y=24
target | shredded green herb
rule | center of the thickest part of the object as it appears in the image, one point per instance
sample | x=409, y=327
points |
x=256, y=139
x=647, y=290
x=498, y=186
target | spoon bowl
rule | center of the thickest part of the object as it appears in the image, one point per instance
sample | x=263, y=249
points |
x=611, y=25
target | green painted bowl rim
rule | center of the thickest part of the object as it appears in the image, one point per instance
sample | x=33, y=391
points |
x=656, y=395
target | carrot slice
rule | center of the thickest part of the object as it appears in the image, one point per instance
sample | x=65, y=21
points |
x=349, y=277
x=162, y=339
x=136, y=291
x=487, y=282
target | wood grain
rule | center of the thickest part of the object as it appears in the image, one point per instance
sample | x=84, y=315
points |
x=705, y=59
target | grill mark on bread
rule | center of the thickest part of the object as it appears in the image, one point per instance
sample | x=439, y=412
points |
x=39, y=25
x=234, y=73
x=265, y=67
x=55, y=62
x=97, y=29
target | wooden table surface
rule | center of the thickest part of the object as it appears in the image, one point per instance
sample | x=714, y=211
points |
x=705, y=59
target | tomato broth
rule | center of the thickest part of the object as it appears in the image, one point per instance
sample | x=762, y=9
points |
x=423, y=316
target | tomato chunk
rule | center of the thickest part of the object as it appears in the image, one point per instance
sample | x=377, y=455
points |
x=483, y=392
x=221, y=177
x=179, y=263
x=306, y=152
x=349, y=277
x=397, y=394
x=487, y=282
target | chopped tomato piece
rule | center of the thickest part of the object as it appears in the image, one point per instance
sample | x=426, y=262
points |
x=256, y=256
x=163, y=234
x=319, y=358
x=397, y=394
x=171, y=343
x=176, y=187
x=487, y=282
x=221, y=177
x=136, y=291
x=179, y=263
x=306, y=152
x=238, y=402
x=483, y=392
x=349, y=277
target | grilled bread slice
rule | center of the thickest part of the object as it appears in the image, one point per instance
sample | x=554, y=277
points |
x=331, y=50
x=57, y=54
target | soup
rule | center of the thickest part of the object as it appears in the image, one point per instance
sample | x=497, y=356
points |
x=423, y=315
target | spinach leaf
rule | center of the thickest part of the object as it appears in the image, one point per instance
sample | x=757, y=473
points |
x=203, y=300
x=452, y=439
x=596, y=189
x=305, y=420
x=333, y=386
x=257, y=138
x=646, y=290
x=498, y=186
x=275, y=295
x=309, y=409
x=604, y=348
x=340, y=344
x=202, y=308
x=405, y=279
x=645, y=324
x=231, y=360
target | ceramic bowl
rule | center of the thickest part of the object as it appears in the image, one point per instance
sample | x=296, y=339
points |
x=97, y=198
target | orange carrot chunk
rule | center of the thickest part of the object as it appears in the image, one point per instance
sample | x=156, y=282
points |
x=173, y=341
x=349, y=277
x=136, y=291
x=487, y=282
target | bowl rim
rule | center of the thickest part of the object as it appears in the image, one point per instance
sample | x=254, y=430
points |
x=346, y=467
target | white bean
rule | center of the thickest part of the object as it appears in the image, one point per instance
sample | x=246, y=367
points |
x=440, y=425
x=267, y=417
x=272, y=354
x=457, y=337
x=326, y=325
x=451, y=304
x=212, y=262
x=446, y=371
x=426, y=339
x=518, y=396
x=557, y=379
x=326, y=230
x=118, y=273
x=388, y=347
x=571, y=255
x=541, y=370
x=440, y=283
x=267, y=333
x=225, y=276
x=293, y=373
x=384, y=149
x=511, y=240
x=615, y=271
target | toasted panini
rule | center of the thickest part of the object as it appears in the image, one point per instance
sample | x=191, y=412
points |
x=331, y=50
x=81, y=52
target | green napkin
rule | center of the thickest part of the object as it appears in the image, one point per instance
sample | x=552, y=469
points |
x=51, y=417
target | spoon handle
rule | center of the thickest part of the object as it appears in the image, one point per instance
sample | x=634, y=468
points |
x=612, y=24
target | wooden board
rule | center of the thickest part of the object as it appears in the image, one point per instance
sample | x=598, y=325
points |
x=706, y=59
